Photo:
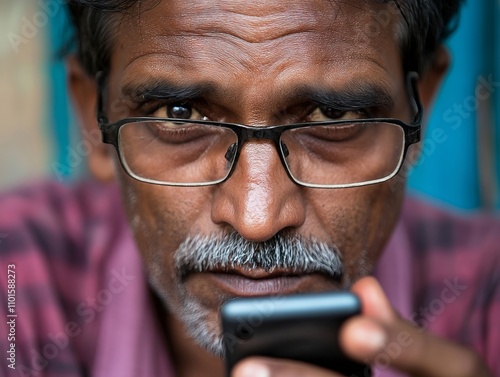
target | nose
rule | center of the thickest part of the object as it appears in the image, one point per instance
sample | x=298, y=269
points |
x=259, y=199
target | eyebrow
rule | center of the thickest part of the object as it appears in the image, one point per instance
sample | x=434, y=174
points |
x=355, y=96
x=160, y=89
x=365, y=95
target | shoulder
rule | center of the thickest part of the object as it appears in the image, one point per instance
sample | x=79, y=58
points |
x=455, y=259
x=54, y=239
x=55, y=199
x=455, y=235
x=449, y=244
x=57, y=230
x=54, y=218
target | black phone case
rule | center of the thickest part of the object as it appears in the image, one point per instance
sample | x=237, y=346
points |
x=302, y=327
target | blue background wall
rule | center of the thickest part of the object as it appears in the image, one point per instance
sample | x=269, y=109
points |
x=460, y=168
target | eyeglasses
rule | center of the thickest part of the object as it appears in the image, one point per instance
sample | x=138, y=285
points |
x=331, y=154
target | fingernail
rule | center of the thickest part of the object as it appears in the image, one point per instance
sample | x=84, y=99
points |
x=254, y=370
x=372, y=336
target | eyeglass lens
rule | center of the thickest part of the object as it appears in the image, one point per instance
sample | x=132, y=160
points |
x=344, y=154
x=184, y=153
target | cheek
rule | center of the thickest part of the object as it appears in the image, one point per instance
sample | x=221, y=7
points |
x=161, y=218
x=360, y=221
x=384, y=204
x=165, y=216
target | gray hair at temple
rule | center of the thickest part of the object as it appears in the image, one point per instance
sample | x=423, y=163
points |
x=425, y=24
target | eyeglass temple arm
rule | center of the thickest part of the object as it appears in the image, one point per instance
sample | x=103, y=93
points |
x=100, y=80
x=414, y=135
x=414, y=94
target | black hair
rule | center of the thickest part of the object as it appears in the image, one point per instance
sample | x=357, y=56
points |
x=425, y=25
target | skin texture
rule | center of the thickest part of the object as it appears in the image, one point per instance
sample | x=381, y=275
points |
x=255, y=57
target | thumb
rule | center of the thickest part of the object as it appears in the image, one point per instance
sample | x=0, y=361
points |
x=382, y=338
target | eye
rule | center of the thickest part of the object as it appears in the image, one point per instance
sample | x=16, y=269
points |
x=178, y=111
x=326, y=113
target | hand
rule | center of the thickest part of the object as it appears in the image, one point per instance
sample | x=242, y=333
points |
x=380, y=337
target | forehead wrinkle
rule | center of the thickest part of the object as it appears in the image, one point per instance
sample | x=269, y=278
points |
x=193, y=51
x=262, y=61
x=174, y=33
x=203, y=18
x=237, y=67
x=196, y=17
x=195, y=47
x=252, y=36
x=257, y=30
x=170, y=40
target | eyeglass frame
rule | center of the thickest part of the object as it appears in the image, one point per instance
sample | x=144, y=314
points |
x=412, y=134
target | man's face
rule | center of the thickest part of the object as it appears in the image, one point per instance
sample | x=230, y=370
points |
x=255, y=57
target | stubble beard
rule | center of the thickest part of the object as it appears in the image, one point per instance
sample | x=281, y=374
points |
x=205, y=253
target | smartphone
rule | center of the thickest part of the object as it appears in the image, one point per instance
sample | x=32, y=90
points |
x=301, y=327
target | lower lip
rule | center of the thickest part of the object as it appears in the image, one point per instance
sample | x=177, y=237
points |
x=241, y=286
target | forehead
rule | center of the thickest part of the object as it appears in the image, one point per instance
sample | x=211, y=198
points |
x=263, y=41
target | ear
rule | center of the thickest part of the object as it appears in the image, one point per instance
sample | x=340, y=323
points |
x=428, y=87
x=83, y=90
x=430, y=81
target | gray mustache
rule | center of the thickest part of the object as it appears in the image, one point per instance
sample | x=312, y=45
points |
x=290, y=253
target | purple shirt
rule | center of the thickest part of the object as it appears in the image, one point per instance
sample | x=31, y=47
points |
x=82, y=306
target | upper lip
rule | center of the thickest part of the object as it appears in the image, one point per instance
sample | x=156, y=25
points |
x=257, y=273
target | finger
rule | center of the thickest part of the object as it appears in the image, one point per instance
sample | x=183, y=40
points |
x=363, y=339
x=267, y=367
x=374, y=301
x=423, y=354
x=382, y=338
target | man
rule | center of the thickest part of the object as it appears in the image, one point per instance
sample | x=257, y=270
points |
x=222, y=204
